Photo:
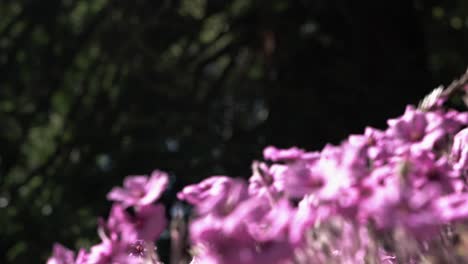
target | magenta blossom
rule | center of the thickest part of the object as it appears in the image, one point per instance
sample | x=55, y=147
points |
x=301, y=178
x=379, y=147
x=215, y=195
x=206, y=189
x=274, y=154
x=140, y=190
x=82, y=257
x=261, y=182
x=379, y=197
x=267, y=181
x=453, y=207
x=61, y=255
x=290, y=154
x=112, y=251
x=147, y=223
x=423, y=130
x=252, y=233
x=391, y=207
x=459, y=154
x=264, y=222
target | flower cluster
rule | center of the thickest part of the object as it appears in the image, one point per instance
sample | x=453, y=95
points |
x=134, y=223
x=343, y=204
x=386, y=196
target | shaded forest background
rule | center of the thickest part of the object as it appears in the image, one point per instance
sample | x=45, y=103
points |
x=94, y=90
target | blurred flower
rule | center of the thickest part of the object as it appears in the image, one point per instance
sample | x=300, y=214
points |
x=262, y=181
x=216, y=195
x=459, y=153
x=422, y=130
x=373, y=197
x=61, y=255
x=140, y=190
x=275, y=154
x=146, y=224
x=111, y=251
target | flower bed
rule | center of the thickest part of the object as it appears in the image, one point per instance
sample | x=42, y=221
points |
x=386, y=196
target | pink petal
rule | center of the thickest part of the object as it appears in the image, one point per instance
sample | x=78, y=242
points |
x=155, y=187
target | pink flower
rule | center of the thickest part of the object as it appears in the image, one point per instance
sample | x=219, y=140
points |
x=354, y=164
x=82, y=257
x=301, y=178
x=252, y=233
x=290, y=154
x=379, y=147
x=140, y=190
x=264, y=222
x=111, y=251
x=275, y=154
x=216, y=195
x=453, y=207
x=238, y=228
x=308, y=213
x=423, y=130
x=459, y=154
x=409, y=178
x=146, y=224
x=410, y=127
x=61, y=255
x=263, y=182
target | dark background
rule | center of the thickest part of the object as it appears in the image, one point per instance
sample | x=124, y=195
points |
x=94, y=90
